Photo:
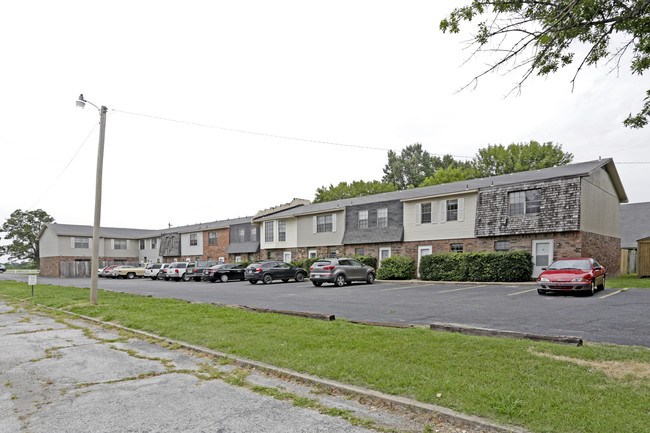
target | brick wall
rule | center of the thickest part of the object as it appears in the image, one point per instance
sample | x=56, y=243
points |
x=605, y=249
x=51, y=267
x=218, y=250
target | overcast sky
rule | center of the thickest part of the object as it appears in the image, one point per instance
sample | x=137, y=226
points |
x=372, y=75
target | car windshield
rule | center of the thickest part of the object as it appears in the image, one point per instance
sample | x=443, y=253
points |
x=580, y=265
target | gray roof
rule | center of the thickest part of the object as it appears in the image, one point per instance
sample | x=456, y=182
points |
x=104, y=232
x=570, y=170
x=243, y=247
x=635, y=223
x=206, y=226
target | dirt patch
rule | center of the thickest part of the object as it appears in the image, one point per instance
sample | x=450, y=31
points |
x=616, y=369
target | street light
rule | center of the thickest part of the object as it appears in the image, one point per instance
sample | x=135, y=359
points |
x=94, y=264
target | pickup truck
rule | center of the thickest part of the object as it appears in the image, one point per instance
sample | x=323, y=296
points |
x=125, y=271
x=194, y=271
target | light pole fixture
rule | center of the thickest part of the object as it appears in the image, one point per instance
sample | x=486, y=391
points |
x=94, y=264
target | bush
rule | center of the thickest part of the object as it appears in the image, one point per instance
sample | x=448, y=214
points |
x=245, y=263
x=298, y=263
x=367, y=260
x=511, y=266
x=396, y=268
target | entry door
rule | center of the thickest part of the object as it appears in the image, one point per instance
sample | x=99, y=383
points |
x=384, y=253
x=542, y=255
x=423, y=251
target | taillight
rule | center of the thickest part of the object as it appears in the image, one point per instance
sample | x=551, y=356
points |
x=328, y=268
x=258, y=270
x=176, y=271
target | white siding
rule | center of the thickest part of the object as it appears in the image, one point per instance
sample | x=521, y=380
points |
x=48, y=245
x=191, y=250
x=292, y=235
x=439, y=228
x=308, y=237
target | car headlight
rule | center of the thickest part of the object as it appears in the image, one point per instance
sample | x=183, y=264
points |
x=544, y=279
x=581, y=279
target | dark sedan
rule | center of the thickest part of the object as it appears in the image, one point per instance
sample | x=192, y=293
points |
x=580, y=275
x=273, y=270
x=224, y=272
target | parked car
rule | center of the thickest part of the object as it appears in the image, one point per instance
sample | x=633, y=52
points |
x=224, y=272
x=162, y=274
x=175, y=271
x=579, y=275
x=195, y=270
x=126, y=271
x=2, y=268
x=106, y=272
x=153, y=269
x=270, y=270
x=340, y=272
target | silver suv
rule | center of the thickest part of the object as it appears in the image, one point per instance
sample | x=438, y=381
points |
x=340, y=272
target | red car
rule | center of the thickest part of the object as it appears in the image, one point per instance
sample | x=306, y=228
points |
x=581, y=275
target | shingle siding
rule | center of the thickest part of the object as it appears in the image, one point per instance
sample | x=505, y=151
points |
x=559, y=209
x=373, y=234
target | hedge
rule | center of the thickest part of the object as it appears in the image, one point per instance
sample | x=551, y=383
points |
x=510, y=266
x=396, y=268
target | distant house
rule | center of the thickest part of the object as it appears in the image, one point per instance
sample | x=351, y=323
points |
x=635, y=226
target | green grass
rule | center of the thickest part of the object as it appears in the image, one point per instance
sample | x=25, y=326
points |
x=630, y=281
x=540, y=386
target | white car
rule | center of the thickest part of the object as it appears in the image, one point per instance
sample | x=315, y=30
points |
x=152, y=270
x=175, y=271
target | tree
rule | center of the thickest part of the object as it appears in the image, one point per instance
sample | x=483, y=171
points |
x=497, y=159
x=23, y=228
x=539, y=37
x=357, y=188
x=449, y=175
x=413, y=165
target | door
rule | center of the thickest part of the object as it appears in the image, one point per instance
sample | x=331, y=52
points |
x=287, y=256
x=542, y=255
x=384, y=253
x=423, y=251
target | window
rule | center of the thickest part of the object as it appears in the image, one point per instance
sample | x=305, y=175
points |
x=324, y=224
x=193, y=240
x=237, y=259
x=363, y=219
x=313, y=254
x=242, y=234
x=253, y=234
x=271, y=255
x=502, y=246
x=452, y=210
x=282, y=231
x=120, y=244
x=332, y=253
x=82, y=242
x=213, y=238
x=456, y=248
x=268, y=231
x=425, y=213
x=142, y=244
x=154, y=243
x=382, y=217
x=359, y=251
x=525, y=202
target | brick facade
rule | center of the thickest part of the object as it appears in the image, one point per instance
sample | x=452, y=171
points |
x=219, y=249
x=51, y=266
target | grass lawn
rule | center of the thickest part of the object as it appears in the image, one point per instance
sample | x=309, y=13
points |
x=540, y=386
x=629, y=281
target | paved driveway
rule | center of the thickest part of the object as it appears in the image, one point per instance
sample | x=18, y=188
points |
x=609, y=317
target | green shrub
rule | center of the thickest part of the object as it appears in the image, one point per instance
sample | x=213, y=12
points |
x=367, y=260
x=486, y=266
x=245, y=263
x=397, y=268
x=298, y=263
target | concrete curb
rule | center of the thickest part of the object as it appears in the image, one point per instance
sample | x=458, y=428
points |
x=478, y=283
x=390, y=400
x=486, y=332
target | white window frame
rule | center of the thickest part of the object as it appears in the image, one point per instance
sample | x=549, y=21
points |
x=381, y=250
x=269, y=231
x=362, y=220
x=382, y=218
x=313, y=254
x=194, y=239
x=282, y=230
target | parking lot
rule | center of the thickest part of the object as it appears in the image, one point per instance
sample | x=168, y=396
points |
x=611, y=316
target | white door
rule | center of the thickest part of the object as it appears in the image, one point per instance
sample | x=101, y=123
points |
x=384, y=253
x=287, y=256
x=423, y=251
x=542, y=255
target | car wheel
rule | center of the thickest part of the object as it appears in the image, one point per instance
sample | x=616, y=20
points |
x=154, y=278
x=185, y=278
x=130, y=275
x=340, y=280
x=197, y=279
x=300, y=277
x=317, y=283
x=602, y=285
x=223, y=278
x=592, y=288
x=267, y=279
x=370, y=278
x=541, y=292
x=252, y=281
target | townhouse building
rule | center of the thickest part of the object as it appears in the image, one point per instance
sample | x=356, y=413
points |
x=567, y=211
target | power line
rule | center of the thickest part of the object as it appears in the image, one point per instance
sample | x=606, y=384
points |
x=262, y=134
x=65, y=168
